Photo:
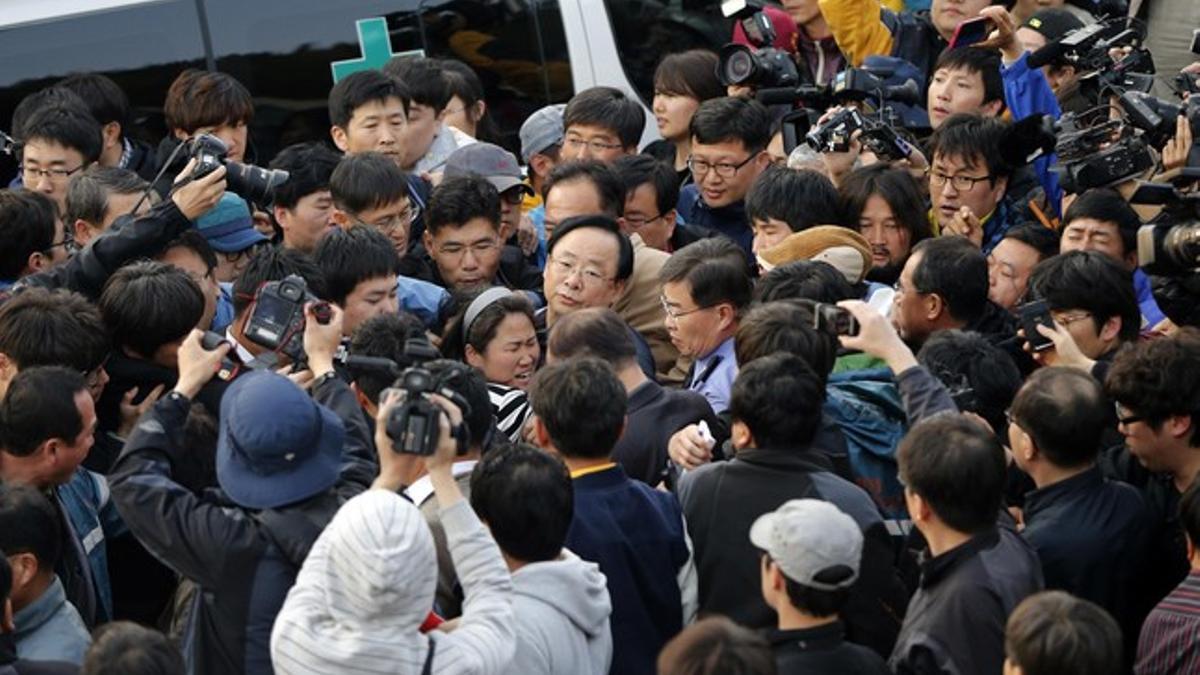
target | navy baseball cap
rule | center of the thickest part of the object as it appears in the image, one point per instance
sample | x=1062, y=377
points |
x=276, y=446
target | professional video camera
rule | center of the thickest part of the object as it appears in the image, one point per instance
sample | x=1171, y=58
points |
x=254, y=183
x=1088, y=48
x=875, y=118
x=1095, y=151
x=1169, y=244
x=277, y=321
x=413, y=424
x=1157, y=117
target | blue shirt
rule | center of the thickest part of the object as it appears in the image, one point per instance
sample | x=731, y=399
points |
x=1151, y=314
x=1026, y=92
x=223, y=317
x=420, y=298
x=713, y=376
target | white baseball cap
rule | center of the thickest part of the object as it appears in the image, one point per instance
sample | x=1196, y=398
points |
x=807, y=537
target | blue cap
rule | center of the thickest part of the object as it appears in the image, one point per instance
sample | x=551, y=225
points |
x=228, y=227
x=276, y=445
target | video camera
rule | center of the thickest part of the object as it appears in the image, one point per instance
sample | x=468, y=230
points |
x=1095, y=151
x=277, y=321
x=254, y=183
x=1169, y=244
x=1087, y=50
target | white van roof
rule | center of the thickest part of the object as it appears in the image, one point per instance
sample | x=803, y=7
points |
x=24, y=12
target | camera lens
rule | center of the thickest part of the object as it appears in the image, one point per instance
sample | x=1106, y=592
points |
x=254, y=183
x=737, y=65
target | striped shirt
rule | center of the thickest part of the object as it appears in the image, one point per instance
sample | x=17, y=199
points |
x=512, y=409
x=1170, y=639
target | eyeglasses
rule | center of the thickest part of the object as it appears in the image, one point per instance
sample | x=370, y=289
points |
x=567, y=268
x=960, y=183
x=479, y=248
x=700, y=167
x=674, y=314
x=639, y=223
x=234, y=257
x=68, y=244
x=514, y=195
x=596, y=145
x=1126, y=419
x=388, y=225
x=31, y=173
x=1068, y=320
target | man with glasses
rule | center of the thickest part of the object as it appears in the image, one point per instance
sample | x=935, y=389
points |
x=968, y=180
x=57, y=143
x=943, y=285
x=705, y=287
x=651, y=195
x=229, y=230
x=370, y=189
x=729, y=141
x=601, y=123
x=33, y=235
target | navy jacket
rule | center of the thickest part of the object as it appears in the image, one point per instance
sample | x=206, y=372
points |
x=244, y=561
x=822, y=650
x=721, y=500
x=654, y=415
x=635, y=534
x=730, y=221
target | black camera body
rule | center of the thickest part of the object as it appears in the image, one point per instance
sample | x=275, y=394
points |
x=1119, y=161
x=277, y=321
x=253, y=183
x=1169, y=245
x=412, y=425
x=765, y=67
x=877, y=136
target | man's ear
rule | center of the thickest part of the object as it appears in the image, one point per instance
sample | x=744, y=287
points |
x=991, y=108
x=726, y=315
x=541, y=435
x=180, y=134
x=36, y=262
x=762, y=161
x=671, y=218
x=340, y=139
x=998, y=191
x=83, y=232
x=1179, y=426
x=427, y=240
x=340, y=217
x=111, y=133
x=1111, y=329
x=740, y=435
x=935, y=306
x=282, y=216
x=541, y=164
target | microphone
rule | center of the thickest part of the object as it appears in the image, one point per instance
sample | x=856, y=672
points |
x=1047, y=54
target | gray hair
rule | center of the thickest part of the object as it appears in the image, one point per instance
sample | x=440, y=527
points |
x=87, y=194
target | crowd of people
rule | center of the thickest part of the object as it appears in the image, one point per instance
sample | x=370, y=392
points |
x=424, y=404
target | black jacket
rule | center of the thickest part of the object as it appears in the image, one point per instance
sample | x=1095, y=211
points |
x=822, y=650
x=955, y=622
x=654, y=415
x=244, y=561
x=1090, y=535
x=126, y=240
x=720, y=502
x=143, y=160
x=513, y=273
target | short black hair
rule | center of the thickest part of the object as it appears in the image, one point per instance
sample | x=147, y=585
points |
x=526, y=499
x=51, y=97
x=310, y=167
x=422, y=78
x=957, y=467
x=149, y=304
x=360, y=88
x=814, y=280
x=692, y=73
x=1106, y=205
x=468, y=383
x=105, y=99
x=461, y=199
x=638, y=170
x=897, y=187
x=348, y=257
x=384, y=336
x=275, y=263
x=88, y=192
x=985, y=62
x=979, y=376
x=1091, y=281
x=785, y=326
x=26, y=227
x=732, y=118
x=1036, y=236
x=815, y=601
x=206, y=98
x=974, y=139
x=29, y=524
x=596, y=331
x=1065, y=412
x=602, y=177
x=582, y=405
x=486, y=324
x=801, y=199
x=367, y=180
x=715, y=271
x=40, y=327
x=1158, y=379
x=956, y=270
x=778, y=397
x=599, y=222
x=1056, y=633
x=195, y=242
x=608, y=108
x=40, y=406
x=125, y=648
x=69, y=127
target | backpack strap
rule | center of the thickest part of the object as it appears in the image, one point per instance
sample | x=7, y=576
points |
x=428, y=669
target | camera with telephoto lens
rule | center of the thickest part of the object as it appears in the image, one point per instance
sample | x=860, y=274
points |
x=254, y=183
x=413, y=425
x=761, y=65
x=1169, y=244
x=277, y=321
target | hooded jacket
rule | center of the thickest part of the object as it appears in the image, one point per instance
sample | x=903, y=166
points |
x=562, y=610
x=368, y=584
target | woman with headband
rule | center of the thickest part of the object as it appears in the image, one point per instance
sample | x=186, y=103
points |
x=495, y=334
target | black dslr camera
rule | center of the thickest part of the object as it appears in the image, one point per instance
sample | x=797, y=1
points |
x=1169, y=244
x=254, y=183
x=277, y=321
x=760, y=66
x=413, y=424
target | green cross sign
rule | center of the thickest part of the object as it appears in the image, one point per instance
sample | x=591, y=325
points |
x=376, y=49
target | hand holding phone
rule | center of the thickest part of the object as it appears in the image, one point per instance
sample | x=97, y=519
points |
x=1033, y=314
x=971, y=31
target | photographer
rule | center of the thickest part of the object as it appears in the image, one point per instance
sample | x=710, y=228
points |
x=285, y=463
x=201, y=101
x=360, y=622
